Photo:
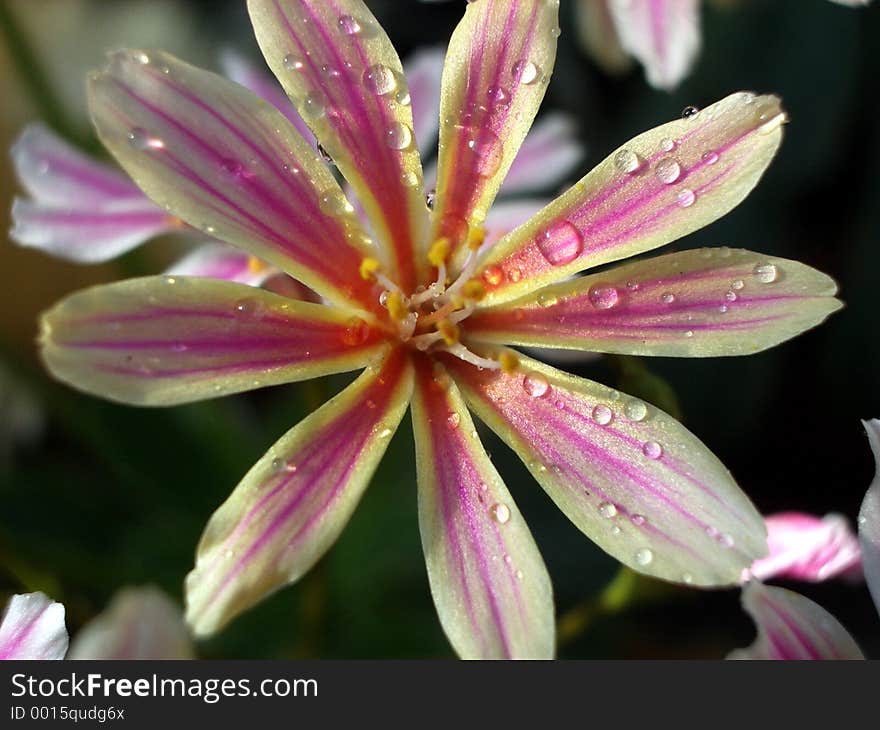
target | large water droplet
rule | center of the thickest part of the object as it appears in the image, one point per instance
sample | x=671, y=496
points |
x=140, y=139
x=667, y=145
x=627, y=161
x=500, y=513
x=603, y=297
x=686, y=197
x=524, y=72
x=766, y=273
x=602, y=414
x=380, y=79
x=292, y=62
x=398, y=136
x=349, y=25
x=314, y=106
x=356, y=332
x=710, y=157
x=535, y=384
x=561, y=243
x=487, y=150
x=635, y=410
x=493, y=275
x=607, y=510
x=652, y=450
x=667, y=170
x=689, y=112
x=644, y=557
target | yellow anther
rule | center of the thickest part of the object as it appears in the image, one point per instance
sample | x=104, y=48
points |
x=438, y=252
x=255, y=265
x=369, y=266
x=476, y=237
x=474, y=290
x=448, y=331
x=508, y=361
x=396, y=308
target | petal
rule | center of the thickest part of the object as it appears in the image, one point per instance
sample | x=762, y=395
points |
x=869, y=518
x=337, y=64
x=165, y=340
x=630, y=477
x=32, y=627
x=805, y=547
x=549, y=153
x=660, y=186
x=424, y=70
x=702, y=303
x=792, y=627
x=599, y=36
x=291, y=506
x=488, y=581
x=238, y=68
x=55, y=172
x=497, y=68
x=140, y=623
x=89, y=233
x=664, y=35
x=230, y=164
x=219, y=261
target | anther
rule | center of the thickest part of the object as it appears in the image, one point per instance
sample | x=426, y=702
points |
x=255, y=265
x=448, y=331
x=509, y=362
x=438, y=252
x=474, y=290
x=476, y=237
x=395, y=305
x=369, y=267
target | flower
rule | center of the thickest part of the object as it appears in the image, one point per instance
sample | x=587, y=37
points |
x=662, y=35
x=791, y=626
x=140, y=623
x=425, y=306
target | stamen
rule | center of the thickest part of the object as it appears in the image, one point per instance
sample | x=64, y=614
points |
x=476, y=237
x=461, y=352
x=369, y=267
x=449, y=331
x=461, y=314
x=423, y=342
x=509, y=362
x=473, y=289
x=255, y=265
x=438, y=252
x=396, y=306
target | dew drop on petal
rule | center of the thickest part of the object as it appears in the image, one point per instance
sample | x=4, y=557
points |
x=561, y=243
x=607, y=510
x=603, y=297
x=637, y=520
x=635, y=410
x=499, y=96
x=667, y=145
x=602, y=414
x=730, y=296
x=356, y=332
x=313, y=105
x=380, y=79
x=667, y=170
x=547, y=300
x=493, y=275
x=689, y=112
x=524, y=72
x=398, y=136
x=686, y=198
x=627, y=161
x=710, y=157
x=140, y=139
x=500, y=513
x=725, y=540
x=652, y=450
x=292, y=62
x=737, y=284
x=535, y=384
x=644, y=556
x=687, y=578
x=452, y=420
x=349, y=25
x=766, y=273
x=667, y=297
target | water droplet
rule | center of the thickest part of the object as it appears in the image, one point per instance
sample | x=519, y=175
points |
x=561, y=243
x=356, y=332
x=766, y=273
x=725, y=540
x=730, y=296
x=349, y=25
x=246, y=307
x=644, y=556
x=313, y=105
x=723, y=309
x=737, y=284
x=667, y=145
x=687, y=578
x=667, y=170
x=602, y=414
x=452, y=420
x=142, y=58
x=380, y=79
x=637, y=520
x=409, y=178
x=499, y=96
x=493, y=275
x=652, y=450
x=487, y=149
x=292, y=62
x=547, y=300
x=686, y=197
x=398, y=136
x=607, y=510
x=519, y=575
x=384, y=433
x=508, y=559
x=525, y=72
x=667, y=297
x=710, y=157
x=140, y=139
x=711, y=532
x=278, y=465
x=635, y=410
x=627, y=161
x=402, y=97
x=500, y=513
x=689, y=112
x=535, y=384
x=615, y=530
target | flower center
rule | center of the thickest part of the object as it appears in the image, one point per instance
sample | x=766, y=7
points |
x=430, y=318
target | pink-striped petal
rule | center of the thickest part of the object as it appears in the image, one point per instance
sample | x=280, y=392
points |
x=805, y=547
x=664, y=35
x=791, y=627
x=660, y=186
x=630, y=477
x=497, y=68
x=228, y=163
x=242, y=71
x=548, y=154
x=291, y=506
x=424, y=71
x=32, y=627
x=869, y=519
x=598, y=35
x=337, y=64
x=488, y=581
x=701, y=303
x=164, y=340
x=219, y=261
x=139, y=623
